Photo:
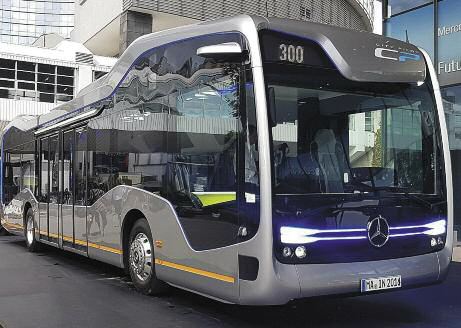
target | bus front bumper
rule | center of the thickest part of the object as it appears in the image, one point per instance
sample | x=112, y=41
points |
x=345, y=278
x=290, y=282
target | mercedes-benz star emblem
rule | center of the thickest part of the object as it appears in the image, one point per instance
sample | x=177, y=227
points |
x=378, y=231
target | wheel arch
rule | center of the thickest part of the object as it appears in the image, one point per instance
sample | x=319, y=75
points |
x=27, y=206
x=128, y=221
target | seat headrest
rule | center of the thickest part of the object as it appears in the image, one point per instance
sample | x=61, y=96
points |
x=326, y=140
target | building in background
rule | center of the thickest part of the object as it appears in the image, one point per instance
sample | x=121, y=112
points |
x=110, y=30
x=33, y=80
x=23, y=21
x=436, y=27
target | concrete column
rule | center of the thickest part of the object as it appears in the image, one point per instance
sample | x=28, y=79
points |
x=133, y=24
x=84, y=77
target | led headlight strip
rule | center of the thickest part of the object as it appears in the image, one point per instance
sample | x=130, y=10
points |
x=295, y=235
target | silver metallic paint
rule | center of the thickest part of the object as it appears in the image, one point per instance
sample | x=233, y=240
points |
x=14, y=213
x=353, y=52
x=445, y=255
x=42, y=215
x=165, y=226
x=66, y=220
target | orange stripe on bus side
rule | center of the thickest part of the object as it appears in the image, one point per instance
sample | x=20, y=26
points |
x=66, y=238
x=80, y=242
x=12, y=225
x=105, y=248
x=195, y=271
x=83, y=243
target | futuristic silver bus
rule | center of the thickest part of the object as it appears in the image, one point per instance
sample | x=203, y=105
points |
x=250, y=160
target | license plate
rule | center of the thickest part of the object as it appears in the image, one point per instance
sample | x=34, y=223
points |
x=372, y=284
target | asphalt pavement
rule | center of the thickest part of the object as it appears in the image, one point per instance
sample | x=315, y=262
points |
x=59, y=289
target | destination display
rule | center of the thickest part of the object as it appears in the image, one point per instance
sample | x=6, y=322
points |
x=377, y=59
x=283, y=48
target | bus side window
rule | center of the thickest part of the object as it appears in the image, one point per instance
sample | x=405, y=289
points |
x=250, y=195
x=204, y=130
x=175, y=129
x=99, y=159
x=44, y=160
x=139, y=121
x=28, y=167
x=8, y=176
x=80, y=167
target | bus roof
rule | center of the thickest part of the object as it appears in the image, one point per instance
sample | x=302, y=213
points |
x=358, y=55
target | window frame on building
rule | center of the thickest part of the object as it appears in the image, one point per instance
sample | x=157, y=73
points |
x=29, y=80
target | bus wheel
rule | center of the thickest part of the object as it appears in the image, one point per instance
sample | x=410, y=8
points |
x=3, y=232
x=141, y=260
x=31, y=243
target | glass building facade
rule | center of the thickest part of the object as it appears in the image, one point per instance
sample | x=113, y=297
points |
x=23, y=21
x=435, y=25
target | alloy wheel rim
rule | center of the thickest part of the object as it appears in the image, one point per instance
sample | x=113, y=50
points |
x=30, y=230
x=141, y=257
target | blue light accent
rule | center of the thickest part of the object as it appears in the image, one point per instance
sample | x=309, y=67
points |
x=404, y=56
x=405, y=234
x=435, y=228
x=295, y=235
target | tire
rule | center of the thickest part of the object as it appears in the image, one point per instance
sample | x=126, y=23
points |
x=141, y=260
x=29, y=232
x=3, y=231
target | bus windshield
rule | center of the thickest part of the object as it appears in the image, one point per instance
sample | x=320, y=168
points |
x=335, y=136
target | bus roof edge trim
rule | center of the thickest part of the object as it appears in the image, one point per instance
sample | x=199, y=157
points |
x=69, y=121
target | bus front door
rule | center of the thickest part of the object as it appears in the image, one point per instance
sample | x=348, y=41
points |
x=67, y=210
x=49, y=189
x=44, y=192
x=54, y=190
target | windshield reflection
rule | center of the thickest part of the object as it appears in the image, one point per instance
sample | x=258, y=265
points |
x=329, y=139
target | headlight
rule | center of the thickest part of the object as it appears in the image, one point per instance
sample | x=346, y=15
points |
x=300, y=252
x=287, y=252
x=436, y=228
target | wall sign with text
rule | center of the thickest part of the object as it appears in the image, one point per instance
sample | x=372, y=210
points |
x=449, y=42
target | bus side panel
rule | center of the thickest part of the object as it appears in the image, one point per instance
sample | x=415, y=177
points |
x=102, y=254
x=80, y=226
x=211, y=272
x=42, y=218
x=104, y=242
x=13, y=219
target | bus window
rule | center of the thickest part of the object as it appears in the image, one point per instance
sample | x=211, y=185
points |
x=203, y=157
x=80, y=167
x=12, y=169
x=44, y=182
x=249, y=193
x=99, y=160
x=28, y=167
x=203, y=150
x=176, y=132
x=54, y=169
x=67, y=155
x=139, y=159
